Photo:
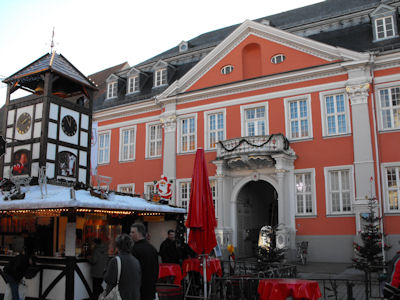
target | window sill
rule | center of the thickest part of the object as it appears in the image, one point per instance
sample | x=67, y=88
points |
x=161, y=85
x=305, y=139
x=153, y=157
x=340, y=215
x=188, y=152
x=306, y=216
x=103, y=164
x=389, y=130
x=392, y=213
x=385, y=39
x=132, y=93
x=126, y=161
x=336, y=135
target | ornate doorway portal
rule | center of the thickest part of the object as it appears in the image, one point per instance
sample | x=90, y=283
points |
x=257, y=205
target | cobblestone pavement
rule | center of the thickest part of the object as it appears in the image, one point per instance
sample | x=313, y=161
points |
x=338, y=281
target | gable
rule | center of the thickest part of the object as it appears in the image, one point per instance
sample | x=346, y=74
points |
x=252, y=58
x=382, y=10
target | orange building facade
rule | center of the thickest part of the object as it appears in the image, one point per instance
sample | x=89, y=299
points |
x=297, y=132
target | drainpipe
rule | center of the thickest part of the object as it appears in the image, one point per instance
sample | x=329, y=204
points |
x=377, y=161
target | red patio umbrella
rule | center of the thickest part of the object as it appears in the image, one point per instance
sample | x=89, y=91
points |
x=201, y=214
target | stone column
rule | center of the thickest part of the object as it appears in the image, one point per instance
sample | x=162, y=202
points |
x=168, y=120
x=362, y=142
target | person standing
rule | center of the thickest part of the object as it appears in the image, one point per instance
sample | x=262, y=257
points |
x=98, y=262
x=168, y=251
x=15, y=270
x=148, y=258
x=130, y=278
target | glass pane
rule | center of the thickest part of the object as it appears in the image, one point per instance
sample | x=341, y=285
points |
x=220, y=121
x=304, y=127
x=345, y=180
x=307, y=178
x=330, y=108
x=341, y=123
x=346, y=201
x=191, y=125
x=303, y=109
x=212, y=122
x=295, y=129
x=293, y=110
x=308, y=203
x=331, y=125
x=212, y=140
x=250, y=129
x=384, y=96
x=393, y=200
x=386, y=119
x=260, y=112
x=184, y=143
x=339, y=103
x=250, y=113
x=261, y=128
x=300, y=204
x=391, y=178
x=335, y=202
x=184, y=126
x=395, y=96
x=334, y=180
x=396, y=118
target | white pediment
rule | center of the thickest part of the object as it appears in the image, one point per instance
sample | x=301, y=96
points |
x=112, y=78
x=247, y=28
x=133, y=71
x=382, y=10
x=159, y=65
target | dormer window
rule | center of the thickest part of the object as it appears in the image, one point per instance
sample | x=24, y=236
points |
x=133, y=84
x=384, y=22
x=160, y=77
x=112, y=90
x=384, y=28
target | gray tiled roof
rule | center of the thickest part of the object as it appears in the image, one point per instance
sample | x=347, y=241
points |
x=304, y=15
x=59, y=64
x=357, y=37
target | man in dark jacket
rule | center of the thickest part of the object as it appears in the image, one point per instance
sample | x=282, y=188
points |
x=168, y=250
x=148, y=259
x=14, y=271
x=98, y=262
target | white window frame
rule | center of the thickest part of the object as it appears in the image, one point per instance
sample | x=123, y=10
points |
x=386, y=204
x=120, y=187
x=243, y=109
x=148, y=141
x=385, y=31
x=278, y=58
x=133, y=84
x=146, y=187
x=313, y=192
x=121, y=130
x=216, y=195
x=327, y=171
x=287, y=102
x=107, y=160
x=160, y=77
x=387, y=86
x=228, y=69
x=112, y=90
x=207, y=130
x=180, y=198
x=324, y=117
x=179, y=128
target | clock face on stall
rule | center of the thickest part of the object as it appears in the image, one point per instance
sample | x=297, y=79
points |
x=69, y=125
x=24, y=123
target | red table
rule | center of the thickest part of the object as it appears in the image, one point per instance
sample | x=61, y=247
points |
x=280, y=289
x=194, y=264
x=171, y=270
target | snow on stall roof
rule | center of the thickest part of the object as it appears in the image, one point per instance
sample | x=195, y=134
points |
x=59, y=197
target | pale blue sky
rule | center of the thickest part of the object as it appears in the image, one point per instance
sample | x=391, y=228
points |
x=97, y=34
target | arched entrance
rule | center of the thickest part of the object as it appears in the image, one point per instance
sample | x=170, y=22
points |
x=257, y=205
